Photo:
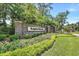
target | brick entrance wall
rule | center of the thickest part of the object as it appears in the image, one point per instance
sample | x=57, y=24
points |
x=21, y=28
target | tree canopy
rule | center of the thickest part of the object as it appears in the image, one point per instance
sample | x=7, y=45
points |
x=37, y=13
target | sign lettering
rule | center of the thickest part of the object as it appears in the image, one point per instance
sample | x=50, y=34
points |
x=36, y=29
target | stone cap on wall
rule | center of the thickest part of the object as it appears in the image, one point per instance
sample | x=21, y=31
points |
x=18, y=21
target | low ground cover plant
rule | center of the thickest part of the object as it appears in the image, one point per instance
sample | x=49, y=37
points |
x=22, y=43
x=27, y=36
x=16, y=37
x=32, y=50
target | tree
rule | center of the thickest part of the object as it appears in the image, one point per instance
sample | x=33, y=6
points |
x=43, y=13
x=44, y=8
x=11, y=11
x=61, y=19
x=27, y=13
x=77, y=26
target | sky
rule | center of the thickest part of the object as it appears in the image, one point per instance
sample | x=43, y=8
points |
x=73, y=9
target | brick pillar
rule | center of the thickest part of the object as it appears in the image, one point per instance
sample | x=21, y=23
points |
x=18, y=27
x=49, y=29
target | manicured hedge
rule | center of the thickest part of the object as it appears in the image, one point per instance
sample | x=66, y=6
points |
x=27, y=36
x=32, y=50
x=14, y=37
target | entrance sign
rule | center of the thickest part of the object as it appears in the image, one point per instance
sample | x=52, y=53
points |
x=36, y=29
x=23, y=28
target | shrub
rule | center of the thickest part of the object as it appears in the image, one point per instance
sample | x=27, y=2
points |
x=26, y=36
x=35, y=34
x=14, y=37
x=53, y=37
x=13, y=45
x=22, y=43
x=32, y=50
x=2, y=37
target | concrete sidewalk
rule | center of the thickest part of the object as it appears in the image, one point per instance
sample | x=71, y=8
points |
x=76, y=35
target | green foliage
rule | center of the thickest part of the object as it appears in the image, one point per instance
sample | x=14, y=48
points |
x=4, y=47
x=12, y=46
x=26, y=36
x=14, y=37
x=64, y=46
x=74, y=27
x=38, y=14
x=11, y=37
x=36, y=34
x=2, y=37
x=53, y=37
x=61, y=20
x=32, y=50
x=65, y=35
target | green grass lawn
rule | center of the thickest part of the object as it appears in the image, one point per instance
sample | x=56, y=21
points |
x=64, y=46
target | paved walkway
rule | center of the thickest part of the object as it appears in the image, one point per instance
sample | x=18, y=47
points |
x=76, y=35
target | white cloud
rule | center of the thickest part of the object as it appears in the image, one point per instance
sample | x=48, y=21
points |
x=73, y=9
x=73, y=19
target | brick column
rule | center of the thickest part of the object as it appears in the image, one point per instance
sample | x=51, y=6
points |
x=18, y=27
